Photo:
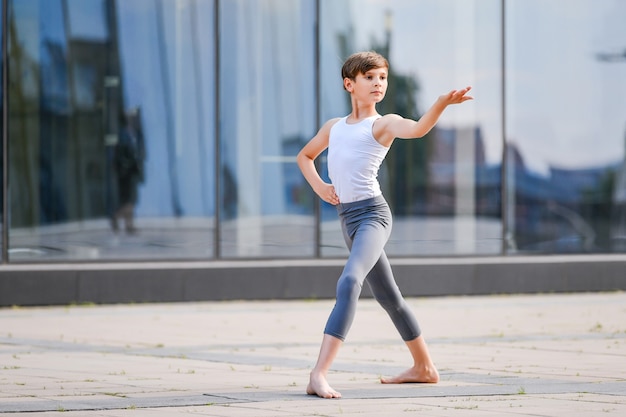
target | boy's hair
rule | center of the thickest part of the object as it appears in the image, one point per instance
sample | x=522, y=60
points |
x=361, y=62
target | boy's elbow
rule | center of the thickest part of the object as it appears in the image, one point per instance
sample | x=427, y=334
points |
x=301, y=158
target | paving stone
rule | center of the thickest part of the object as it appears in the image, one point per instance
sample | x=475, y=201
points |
x=514, y=355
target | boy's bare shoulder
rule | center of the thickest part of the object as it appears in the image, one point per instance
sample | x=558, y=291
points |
x=390, y=117
x=330, y=123
x=383, y=129
x=324, y=132
x=383, y=122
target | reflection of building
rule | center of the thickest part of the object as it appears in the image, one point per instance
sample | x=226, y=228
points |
x=229, y=91
x=71, y=153
x=564, y=211
x=568, y=210
x=452, y=159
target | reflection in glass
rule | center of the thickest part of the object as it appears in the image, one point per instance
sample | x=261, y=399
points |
x=566, y=95
x=111, y=129
x=129, y=154
x=267, y=111
x=444, y=190
x=112, y=125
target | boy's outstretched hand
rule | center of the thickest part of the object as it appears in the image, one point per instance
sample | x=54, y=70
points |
x=456, y=96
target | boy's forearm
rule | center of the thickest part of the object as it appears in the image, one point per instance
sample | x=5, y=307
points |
x=430, y=118
x=307, y=167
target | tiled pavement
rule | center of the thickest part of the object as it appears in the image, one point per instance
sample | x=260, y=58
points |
x=521, y=355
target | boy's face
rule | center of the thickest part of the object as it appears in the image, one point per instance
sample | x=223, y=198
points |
x=371, y=86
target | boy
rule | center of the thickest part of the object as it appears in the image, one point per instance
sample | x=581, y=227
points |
x=357, y=145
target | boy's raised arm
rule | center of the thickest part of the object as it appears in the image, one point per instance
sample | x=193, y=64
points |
x=395, y=126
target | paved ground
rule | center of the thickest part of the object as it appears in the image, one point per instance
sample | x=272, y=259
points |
x=531, y=355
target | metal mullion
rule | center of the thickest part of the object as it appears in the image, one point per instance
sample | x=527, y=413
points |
x=504, y=203
x=5, y=133
x=217, y=253
x=317, y=212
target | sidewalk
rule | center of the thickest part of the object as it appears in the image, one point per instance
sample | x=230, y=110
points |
x=527, y=355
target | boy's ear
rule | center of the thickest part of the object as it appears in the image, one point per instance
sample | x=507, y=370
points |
x=347, y=84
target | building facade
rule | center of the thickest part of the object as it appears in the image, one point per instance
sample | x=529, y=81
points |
x=149, y=146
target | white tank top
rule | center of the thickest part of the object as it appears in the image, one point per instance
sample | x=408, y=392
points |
x=354, y=157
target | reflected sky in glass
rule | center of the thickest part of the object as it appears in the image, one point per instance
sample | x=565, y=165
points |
x=87, y=19
x=558, y=92
x=443, y=58
x=563, y=102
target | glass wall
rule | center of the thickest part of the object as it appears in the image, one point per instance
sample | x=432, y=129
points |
x=111, y=118
x=267, y=113
x=566, y=125
x=444, y=190
x=168, y=129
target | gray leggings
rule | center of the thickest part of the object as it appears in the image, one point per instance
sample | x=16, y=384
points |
x=366, y=228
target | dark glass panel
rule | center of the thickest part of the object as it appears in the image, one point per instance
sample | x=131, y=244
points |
x=112, y=119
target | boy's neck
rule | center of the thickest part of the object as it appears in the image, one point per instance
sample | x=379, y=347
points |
x=361, y=112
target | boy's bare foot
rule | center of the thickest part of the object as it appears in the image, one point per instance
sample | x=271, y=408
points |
x=414, y=375
x=319, y=386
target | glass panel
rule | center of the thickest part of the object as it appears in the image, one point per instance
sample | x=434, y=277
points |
x=111, y=129
x=444, y=190
x=267, y=110
x=566, y=121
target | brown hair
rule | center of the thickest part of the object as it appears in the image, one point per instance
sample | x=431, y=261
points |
x=361, y=62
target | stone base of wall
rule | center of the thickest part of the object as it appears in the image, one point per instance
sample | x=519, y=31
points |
x=106, y=283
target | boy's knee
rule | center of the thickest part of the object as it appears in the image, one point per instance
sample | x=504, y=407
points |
x=392, y=303
x=348, y=286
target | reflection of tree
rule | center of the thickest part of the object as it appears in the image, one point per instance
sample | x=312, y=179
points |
x=61, y=108
x=23, y=108
x=407, y=161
